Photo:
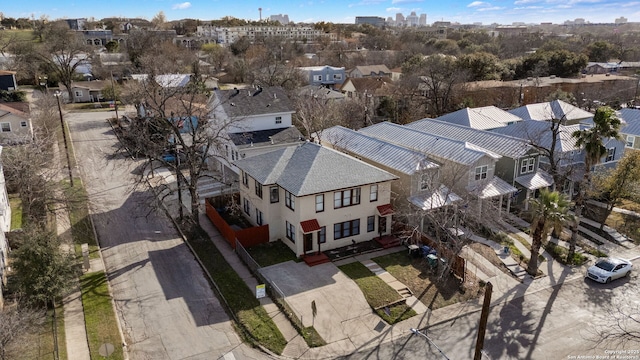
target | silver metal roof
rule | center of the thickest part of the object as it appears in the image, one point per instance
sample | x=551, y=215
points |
x=495, y=142
x=492, y=188
x=436, y=146
x=539, y=133
x=537, y=180
x=556, y=109
x=482, y=118
x=384, y=153
x=631, y=121
x=436, y=199
x=310, y=169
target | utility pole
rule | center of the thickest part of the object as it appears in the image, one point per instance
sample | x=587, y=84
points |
x=115, y=97
x=418, y=332
x=64, y=137
x=484, y=316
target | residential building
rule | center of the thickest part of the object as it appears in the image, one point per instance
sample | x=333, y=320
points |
x=87, y=91
x=630, y=129
x=376, y=21
x=481, y=118
x=556, y=110
x=283, y=19
x=367, y=87
x=314, y=198
x=5, y=227
x=15, y=124
x=228, y=35
x=255, y=120
x=328, y=76
x=8, y=80
x=369, y=71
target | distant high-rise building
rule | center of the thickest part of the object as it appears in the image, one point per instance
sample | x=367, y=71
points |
x=423, y=20
x=283, y=19
x=412, y=19
x=390, y=21
x=621, y=20
x=371, y=20
x=399, y=19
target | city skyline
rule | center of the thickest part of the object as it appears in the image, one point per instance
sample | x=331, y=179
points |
x=464, y=12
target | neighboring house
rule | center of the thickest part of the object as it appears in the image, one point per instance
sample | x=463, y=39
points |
x=396, y=73
x=321, y=93
x=367, y=87
x=15, y=124
x=5, y=226
x=601, y=68
x=8, y=80
x=630, y=129
x=87, y=91
x=314, y=198
x=558, y=110
x=518, y=164
x=167, y=81
x=328, y=76
x=481, y=118
x=256, y=120
x=370, y=71
x=465, y=167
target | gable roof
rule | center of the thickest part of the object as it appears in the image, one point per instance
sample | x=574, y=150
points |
x=310, y=169
x=631, y=121
x=437, y=146
x=17, y=108
x=272, y=136
x=366, y=70
x=320, y=92
x=483, y=118
x=556, y=109
x=384, y=153
x=166, y=80
x=512, y=147
x=380, y=85
x=95, y=85
x=539, y=133
x=247, y=102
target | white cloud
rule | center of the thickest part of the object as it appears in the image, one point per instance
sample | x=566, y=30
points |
x=405, y=1
x=477, y=4
x=491, y=8
x=394, y=9
x=181, y=6
x=523, y=2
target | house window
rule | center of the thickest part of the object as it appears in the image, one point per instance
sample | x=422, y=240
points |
x=346, y=198
x=278, y=119
x=611, y=154
x=258, y=217
x=630, y=141
x=78, y=93
x=23, y=124
x=317, y=77
x=289, y=200
x=425, y=181
x=322, y=235
x=481, y=172
x=6, y=127
x=291, y=231
x=245, y=179
x=274, y=194
x=246, y=206
x=527, y=165
x=345, y=229
x=258, y=188
x=371, y=223
x=320, y=203
x=337, y=76
x=373, y=192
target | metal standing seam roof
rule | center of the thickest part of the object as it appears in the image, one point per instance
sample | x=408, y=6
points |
x=438, y=146
x=504, y=145
x=631, y=119
x=539, y=133
x=492, y=188
x=436, y=199
x=482, y=118
x=556, y=109
x=384, y=153
x=539, y=179
x=310, y=169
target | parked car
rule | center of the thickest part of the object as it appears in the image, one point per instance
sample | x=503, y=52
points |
x=607, y=269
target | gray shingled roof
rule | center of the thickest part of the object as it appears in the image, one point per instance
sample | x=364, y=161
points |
x=556, y=109
x=310, y=169
x=437, y=146
x=500, y=144
x=246, y=102
x=539, y=133
x=393, y=156
x=631, y=118
x=482, y=118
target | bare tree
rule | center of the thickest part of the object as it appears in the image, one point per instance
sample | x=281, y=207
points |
x=618, y=324
x=17, y=321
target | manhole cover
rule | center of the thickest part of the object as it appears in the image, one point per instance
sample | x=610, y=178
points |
x=106, y=349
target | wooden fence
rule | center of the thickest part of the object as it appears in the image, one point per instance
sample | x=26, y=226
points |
x=247, y=237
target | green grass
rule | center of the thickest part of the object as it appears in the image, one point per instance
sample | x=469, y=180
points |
x=560, y=254
x=259, y=328
x=16, y=211
x=21, y=35
x=99, y=316
x=81, y=227
x=378, y=293
x=40, y=345
x=271, y=253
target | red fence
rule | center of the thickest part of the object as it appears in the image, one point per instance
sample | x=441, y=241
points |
x=247, y=237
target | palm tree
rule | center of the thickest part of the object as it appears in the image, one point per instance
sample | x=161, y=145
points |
x=550, y=211
x=606, y=125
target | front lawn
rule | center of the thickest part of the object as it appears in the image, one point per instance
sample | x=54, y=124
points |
x=378, y=294
x=271, y=253
x=16, y=211
x=425, y=284
x=81, y=227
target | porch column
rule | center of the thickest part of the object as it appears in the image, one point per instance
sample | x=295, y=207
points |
x=526, y=200
x=509, y=205
x=500, y=208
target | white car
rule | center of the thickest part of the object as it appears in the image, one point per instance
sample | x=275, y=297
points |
x=607, y=269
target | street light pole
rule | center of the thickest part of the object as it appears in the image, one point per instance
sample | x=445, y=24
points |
x=64, y=137
x=115, y=97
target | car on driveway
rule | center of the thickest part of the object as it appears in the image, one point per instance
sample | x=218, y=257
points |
x=607, y=269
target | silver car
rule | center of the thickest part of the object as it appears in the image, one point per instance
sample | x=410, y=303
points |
x=607, y=269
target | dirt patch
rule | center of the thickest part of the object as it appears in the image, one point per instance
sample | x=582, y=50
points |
x=490, y=254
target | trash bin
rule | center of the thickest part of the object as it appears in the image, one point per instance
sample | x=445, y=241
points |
x=505, y=250
x=432, y=260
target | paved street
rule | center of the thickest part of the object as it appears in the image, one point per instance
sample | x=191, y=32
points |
x=554, y=323
x=163, y=300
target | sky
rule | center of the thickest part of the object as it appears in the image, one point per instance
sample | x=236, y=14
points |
x=504, y=12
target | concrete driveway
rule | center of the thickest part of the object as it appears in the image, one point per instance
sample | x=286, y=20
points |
x=343, y=315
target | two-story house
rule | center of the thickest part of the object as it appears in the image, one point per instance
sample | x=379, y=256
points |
x=327, y=76
x=466, y=168
x=314, y=198
x=15, y=124
x=518, y=164
x=481, y=118
x=370, y=71
x=556, y=110
x=630, y=129
x=255, y=121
